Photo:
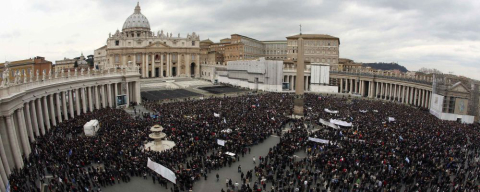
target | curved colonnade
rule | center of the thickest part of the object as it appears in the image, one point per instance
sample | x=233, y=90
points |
x=29, y=107
x=407, y=90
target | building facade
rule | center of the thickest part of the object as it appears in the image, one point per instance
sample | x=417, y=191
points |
x=157, y=54
x=68, y=64
x=275, y=50
x=318, y=49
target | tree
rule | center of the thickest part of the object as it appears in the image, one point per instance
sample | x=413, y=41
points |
x=429, y=71
x=75, y=64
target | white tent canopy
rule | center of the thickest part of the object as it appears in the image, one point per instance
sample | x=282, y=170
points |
x=90, y=128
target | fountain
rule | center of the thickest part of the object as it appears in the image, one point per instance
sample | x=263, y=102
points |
x=158, y=143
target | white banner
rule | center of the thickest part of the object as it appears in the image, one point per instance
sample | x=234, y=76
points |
x=341, y=123
x=363, y=111
x=220, y=142
x=318, y=140
x=390, y=119
x=326, y=123
x=216, y=114
x=330, y=111
x=163, y=171
x=230, y=154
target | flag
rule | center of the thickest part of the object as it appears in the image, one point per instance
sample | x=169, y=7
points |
x=408, y=160
x=220, y=142
x=216, y=114
x=224, y=120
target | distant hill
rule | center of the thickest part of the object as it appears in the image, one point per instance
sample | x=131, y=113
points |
x=385, y=66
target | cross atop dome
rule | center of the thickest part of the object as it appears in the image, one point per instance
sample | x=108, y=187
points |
x=137, y=8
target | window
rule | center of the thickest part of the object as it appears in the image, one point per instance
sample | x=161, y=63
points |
x=117, y=43
x=117, y=59
x=138, y=34
x=193, y=43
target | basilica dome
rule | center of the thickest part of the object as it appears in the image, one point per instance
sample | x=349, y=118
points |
x=136, y=21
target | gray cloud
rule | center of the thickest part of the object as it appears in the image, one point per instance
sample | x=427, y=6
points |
x=428, y=33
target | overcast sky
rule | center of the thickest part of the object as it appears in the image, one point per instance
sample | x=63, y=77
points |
x=442, y=34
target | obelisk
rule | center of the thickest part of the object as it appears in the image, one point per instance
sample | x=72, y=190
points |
x=299, y=83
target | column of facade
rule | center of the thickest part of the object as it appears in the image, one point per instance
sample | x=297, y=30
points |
x=52, y=110
x=22, y=129
x=109, y=95
x=64, y=104
x=40, y=116
x=429, y=99
x=127, y=93
x=97, y=96
x=45, y=109
x=90, y=99
x=35, y=123
x=28, y=122
x=58, y=105
x=70, y=103
x=77, y=101
x=197, y=66
x=411, y=96
x=341, y=85
x=394, y=86
x=351, y=86
x=377, y=90
x=169, y=68
x=12, y=137
x=102, y=94
x=153, y=65
x=414, y=96
x=399, y=93
x=161, y=65
x=4, y=161
x=84, y=100
x=115, y=93
x=188, y=63
x=138, y=97
x=404, y=97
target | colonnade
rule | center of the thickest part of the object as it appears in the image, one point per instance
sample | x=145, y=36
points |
x=404, y=92
x=169, y=64
x=291, y=79
x=25, y=121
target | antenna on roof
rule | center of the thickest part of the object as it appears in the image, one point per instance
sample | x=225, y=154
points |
x=300, y=29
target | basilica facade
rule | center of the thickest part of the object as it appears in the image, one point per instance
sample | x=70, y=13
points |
x=159, y=54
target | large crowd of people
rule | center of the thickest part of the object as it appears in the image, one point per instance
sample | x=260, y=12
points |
x=413, y=153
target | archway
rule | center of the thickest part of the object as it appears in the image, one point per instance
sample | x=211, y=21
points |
x=192, y=69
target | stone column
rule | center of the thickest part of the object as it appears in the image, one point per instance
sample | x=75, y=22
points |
x=22, y=129
x=64, y=104
x=3, y=155
x=28, y=121
x=84, y=99
x=70, y=103
x=77, y=101
x=411, y=95
x=429, y=99
x=377, y=90
x=153, y=65
x=142, y=55
x=341, y=85
x=58, y=105
x=161, y=65
x=115, y=87
x=45, y=109
x=97, y=97
x=34, y=118
x=52, y=110
x=405, y=94
x=168, y=66
x=40, y=116
x=127, y=93
x=197, y=66
x=138, y=97
x=3, y=178
x=12, y=137
x=109, y=95
x=90, y=99
x=415, y=96
x=351, y=86
x=188, y=63
x=104, y=97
